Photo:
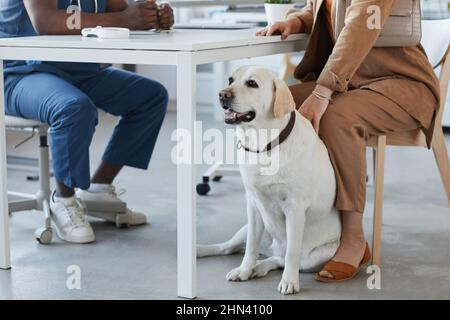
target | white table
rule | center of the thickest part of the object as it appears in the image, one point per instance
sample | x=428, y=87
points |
x=184, y=49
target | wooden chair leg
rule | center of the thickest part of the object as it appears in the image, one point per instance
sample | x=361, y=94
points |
x=374, y=157
x=442, y=160
x=288, y=68
x=378, y=202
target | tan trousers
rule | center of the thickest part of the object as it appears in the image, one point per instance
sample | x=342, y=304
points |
x=348, y=122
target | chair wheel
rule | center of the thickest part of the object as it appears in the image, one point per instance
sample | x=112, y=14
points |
x=203, y=189
x=217, y=178
x=43, y=235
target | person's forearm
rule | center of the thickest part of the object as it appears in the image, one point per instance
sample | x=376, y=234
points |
x=116, y=5
x=299, y=25
x=324, y=91
x=48, y=19
x=305, y=15
x=60, y=22
x=296, y=24
x=354, y=43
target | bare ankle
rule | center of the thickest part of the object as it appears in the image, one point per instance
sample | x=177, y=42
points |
x=63, y=191
x=106, y=173
x=352, y=226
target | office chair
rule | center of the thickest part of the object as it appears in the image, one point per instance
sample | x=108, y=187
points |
x=116, y=213
x=38, y=201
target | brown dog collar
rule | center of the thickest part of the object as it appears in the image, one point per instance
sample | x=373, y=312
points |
x=272, y=144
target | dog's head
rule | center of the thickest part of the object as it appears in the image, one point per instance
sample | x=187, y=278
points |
x=254, y=95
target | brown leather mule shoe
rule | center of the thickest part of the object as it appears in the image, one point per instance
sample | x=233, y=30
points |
x=342, y=271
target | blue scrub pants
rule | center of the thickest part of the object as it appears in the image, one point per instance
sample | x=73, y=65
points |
x=71, y=112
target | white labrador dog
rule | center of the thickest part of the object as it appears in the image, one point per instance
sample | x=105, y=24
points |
x=291, y=219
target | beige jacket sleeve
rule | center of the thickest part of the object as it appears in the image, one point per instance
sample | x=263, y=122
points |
x=306, y=15
x=354, y=42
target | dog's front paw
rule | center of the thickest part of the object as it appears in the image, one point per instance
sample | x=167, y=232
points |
x=239, y=274
x=289, y=285
x=262, y=268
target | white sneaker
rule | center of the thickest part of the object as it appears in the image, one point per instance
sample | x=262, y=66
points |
x=68, y=216
x=107, y=200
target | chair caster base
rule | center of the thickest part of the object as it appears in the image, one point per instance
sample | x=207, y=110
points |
x=43, y=235
x=203, y=188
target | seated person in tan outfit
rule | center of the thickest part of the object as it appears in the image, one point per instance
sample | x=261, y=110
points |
x=373, y=91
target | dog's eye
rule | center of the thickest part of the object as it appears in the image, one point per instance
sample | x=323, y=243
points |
x=252, y=84
x=230, y=80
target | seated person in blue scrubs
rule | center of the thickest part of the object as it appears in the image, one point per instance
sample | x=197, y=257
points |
x=67, y=95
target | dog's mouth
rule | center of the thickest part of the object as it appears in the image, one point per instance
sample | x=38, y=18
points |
x=234, y=117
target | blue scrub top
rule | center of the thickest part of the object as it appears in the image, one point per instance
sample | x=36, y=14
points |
x=15, y=22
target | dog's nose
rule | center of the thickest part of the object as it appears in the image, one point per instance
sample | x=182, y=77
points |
x=225, y=97
x=225, y=94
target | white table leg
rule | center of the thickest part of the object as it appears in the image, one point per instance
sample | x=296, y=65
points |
x=186, y=206
x=5, y=258
x=221, y=74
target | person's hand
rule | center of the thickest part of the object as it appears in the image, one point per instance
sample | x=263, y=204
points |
x=165, y=16
x=142, y=15
x=314, y=107
x=285, y=28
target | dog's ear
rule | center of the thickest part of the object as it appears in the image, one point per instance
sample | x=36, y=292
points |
x=284, y=102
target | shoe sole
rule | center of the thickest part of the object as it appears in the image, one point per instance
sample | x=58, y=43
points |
x=112, y=217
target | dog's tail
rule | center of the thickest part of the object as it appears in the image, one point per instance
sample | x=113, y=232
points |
x=234, y=245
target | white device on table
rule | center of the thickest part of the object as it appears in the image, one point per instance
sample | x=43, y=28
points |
x=106, y=33
x=150, y=32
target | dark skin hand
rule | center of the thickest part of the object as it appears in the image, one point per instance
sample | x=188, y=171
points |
x=48, y=19
x=165, y=16
x=141, y=15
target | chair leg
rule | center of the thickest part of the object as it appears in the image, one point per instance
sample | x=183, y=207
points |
x=442, y=160
x=378, y=203
x=44, y=169
x=374, y=157
x=288, y=68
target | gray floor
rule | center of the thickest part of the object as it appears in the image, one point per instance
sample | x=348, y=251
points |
x=140, y=262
